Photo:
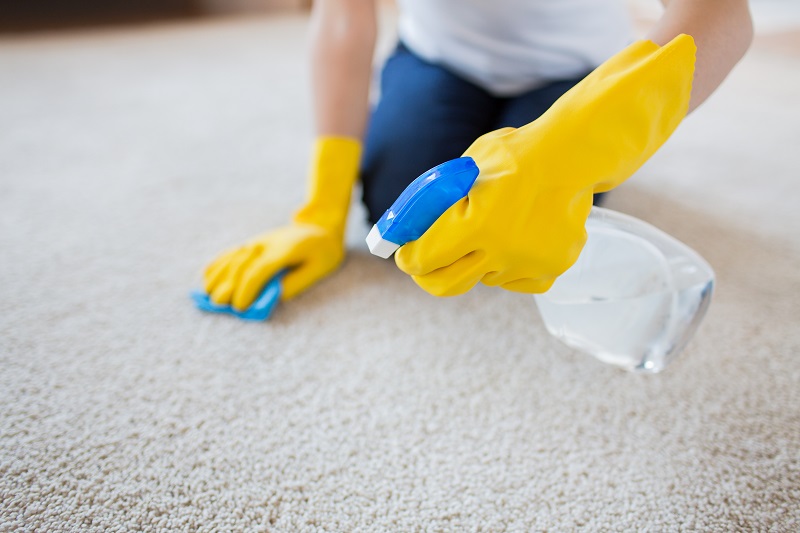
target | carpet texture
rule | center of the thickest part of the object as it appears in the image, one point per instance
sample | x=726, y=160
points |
x=129, y=158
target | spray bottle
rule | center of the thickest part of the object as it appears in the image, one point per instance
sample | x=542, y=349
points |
x=633, y=299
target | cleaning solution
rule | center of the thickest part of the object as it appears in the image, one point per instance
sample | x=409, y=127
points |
x=633, y=299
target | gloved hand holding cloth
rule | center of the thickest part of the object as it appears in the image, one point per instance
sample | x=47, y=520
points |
x=310, y=247
x=522, y=224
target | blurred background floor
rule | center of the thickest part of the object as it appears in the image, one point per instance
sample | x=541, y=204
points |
x=44, y=15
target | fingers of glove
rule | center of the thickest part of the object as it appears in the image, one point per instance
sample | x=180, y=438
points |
x=306, y=265
x=215, y=271
x=529, y=285
x=507, y=275
x=254, y=278
x=443, y=244
x=454, y=279
x=222, y=293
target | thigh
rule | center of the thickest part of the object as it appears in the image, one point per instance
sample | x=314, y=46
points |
x=426, y=115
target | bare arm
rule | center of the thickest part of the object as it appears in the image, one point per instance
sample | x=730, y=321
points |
x=343, y=41
x=722, y=31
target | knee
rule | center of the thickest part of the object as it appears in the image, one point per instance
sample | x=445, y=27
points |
x=386, y=170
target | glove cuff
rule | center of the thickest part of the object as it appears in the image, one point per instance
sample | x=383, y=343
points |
x=604, y=128
x=332, y=174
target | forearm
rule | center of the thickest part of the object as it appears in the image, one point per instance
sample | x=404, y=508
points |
x=343, y=41
x=722, y=31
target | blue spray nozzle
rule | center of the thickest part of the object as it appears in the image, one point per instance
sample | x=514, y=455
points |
x=421, y=204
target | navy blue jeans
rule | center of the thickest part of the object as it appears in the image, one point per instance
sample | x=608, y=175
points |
x=427, y=115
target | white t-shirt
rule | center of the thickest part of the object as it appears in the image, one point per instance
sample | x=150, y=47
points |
x=511, y=46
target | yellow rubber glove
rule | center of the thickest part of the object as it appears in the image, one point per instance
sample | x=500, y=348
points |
x=522, y=224
x=312, y=246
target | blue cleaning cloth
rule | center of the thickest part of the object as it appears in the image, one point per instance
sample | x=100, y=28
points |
x=260, y=310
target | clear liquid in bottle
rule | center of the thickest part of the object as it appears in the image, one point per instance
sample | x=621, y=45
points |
x=633, y=299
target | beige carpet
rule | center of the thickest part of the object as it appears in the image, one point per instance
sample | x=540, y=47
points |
x=129, y=158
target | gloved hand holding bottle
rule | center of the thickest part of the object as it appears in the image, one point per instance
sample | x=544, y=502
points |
x=522, y=224
x=309, y=248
